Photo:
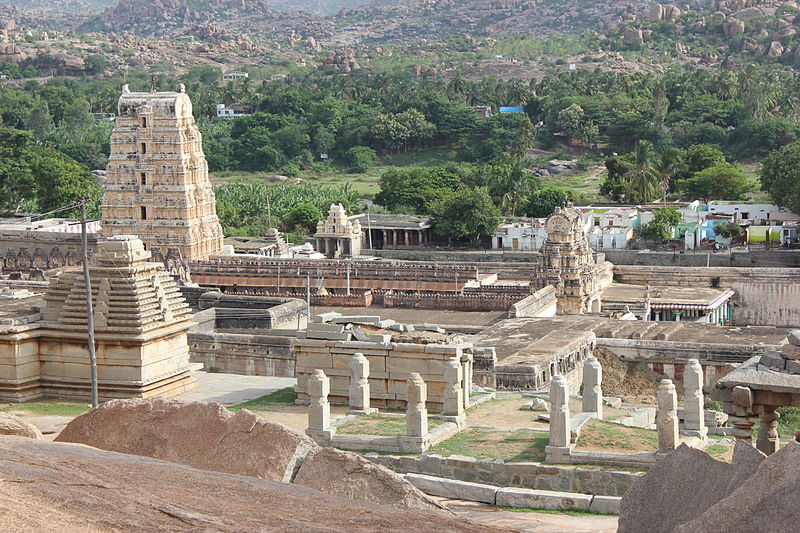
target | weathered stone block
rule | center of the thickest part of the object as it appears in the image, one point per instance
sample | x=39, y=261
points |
x=542, y=499
x=605, y=504
x=451, y=488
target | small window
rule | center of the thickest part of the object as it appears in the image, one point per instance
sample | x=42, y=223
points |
x=144, y=122
x=143, y=210
x=144, y=178
x=144, y=148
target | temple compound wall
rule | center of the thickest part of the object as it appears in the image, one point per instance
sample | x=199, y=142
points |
x=140, y=321
x=764, y=296
x=22, y=250
x=158, y=186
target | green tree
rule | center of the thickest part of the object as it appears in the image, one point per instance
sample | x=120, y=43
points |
x=643, y=179
x=724, y=181
x=465, y=214
x=416, y=188
x=573, y=122
x=16, y=180
x=780, y=176
x=359, y=159
x=61, y=180
x=543, y=202
x=729, y=230
x=304, y=216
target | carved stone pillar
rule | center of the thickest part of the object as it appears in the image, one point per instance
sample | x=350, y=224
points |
x=743, y=427
x=768, y=441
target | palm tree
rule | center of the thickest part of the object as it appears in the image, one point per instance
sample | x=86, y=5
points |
x=457, y=86
x=668, y=165
x=644, y=181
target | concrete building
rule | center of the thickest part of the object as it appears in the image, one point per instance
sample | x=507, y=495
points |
x=522, y=235
x=233, y=111
x=158, y=186
x=234, y=76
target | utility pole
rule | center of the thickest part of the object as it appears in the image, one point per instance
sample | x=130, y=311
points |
x=89, y=311
x=308, y=297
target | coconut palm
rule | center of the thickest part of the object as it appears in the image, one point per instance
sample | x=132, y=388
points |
x=643, y=179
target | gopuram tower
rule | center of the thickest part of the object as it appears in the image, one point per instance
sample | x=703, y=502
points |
x=158, y=186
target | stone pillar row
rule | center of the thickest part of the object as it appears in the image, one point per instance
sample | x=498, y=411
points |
x=455, y=400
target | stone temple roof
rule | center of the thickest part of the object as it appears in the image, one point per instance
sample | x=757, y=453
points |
x=130, y=293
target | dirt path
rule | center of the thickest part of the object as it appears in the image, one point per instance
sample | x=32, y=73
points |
x=530, y=522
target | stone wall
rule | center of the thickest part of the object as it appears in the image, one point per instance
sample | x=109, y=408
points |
x=750, y=258
x=390, y=365
x=450, y=302
x=268, y=353
x=496, y=472
x=764, y=296
x=245, y=311
x=23, y=250
x=363, y=299
x=669, y=357
x=540, y=304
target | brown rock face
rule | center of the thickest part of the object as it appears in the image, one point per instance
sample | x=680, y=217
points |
x=768, y=500
x=11, y=425
x=75, y=488
x=198, y=434
x=681, y=487
x=345, y=474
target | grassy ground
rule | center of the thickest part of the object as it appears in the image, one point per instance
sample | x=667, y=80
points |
x=364, y=184
x=602, y=435
x=485, y=443
x=271, y=402
x=380, y=425
x=422, y=158
x=52, y=407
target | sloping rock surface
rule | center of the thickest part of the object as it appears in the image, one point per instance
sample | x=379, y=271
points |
x=682, y=486
x=769, y=500
x=12, y=425
x=209, y=437
x=199, y=434
x=71, y=488
x=346, y=474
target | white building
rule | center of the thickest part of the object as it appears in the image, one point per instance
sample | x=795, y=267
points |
x=752, y=213
x=235, y=76
x=233, y=111
x=523, y=236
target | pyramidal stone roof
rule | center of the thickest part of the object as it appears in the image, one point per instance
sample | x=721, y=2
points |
x=130, y=294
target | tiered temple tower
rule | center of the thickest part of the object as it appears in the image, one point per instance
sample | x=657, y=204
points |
x=568, y=263
x=140, y=321
x=158, y=186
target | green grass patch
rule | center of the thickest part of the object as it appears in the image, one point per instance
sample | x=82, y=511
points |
x=380, y=425
x=270, y=402
x=53, y=407
x=717, y=451
x=483, y=443
x=602, y=434
x=570, y=512
x=422, y=158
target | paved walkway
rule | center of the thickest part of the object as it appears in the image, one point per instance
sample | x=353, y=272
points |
x=231, y=389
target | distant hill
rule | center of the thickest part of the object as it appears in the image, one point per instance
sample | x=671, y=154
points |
x=321, y=7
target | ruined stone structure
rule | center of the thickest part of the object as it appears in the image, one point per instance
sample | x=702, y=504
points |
x=338, y=236
x=753, y=393
x=158, y=186
x=390, y=363
x=569, y=264
x=140, y=320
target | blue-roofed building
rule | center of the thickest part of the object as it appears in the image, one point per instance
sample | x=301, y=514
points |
x=512, y=109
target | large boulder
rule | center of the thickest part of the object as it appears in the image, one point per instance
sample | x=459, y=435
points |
x=199, y=434
x=682, y=486
x=71, y=487
x=768, y=500
x=12, y=425
x=346, y=474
